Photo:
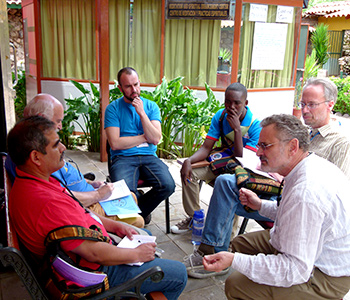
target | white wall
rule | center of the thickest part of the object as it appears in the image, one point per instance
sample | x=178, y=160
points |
x=262, y=104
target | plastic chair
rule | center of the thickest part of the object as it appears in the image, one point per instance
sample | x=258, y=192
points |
x=142, y=183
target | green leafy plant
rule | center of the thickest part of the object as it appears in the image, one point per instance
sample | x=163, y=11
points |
x=225, y=54
x=21, y=96
x=184, y=118
x=320, y=42
x=343, y=103
x=88, y=107
x=311, y=69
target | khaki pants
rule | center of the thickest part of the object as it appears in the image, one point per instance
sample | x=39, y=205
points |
x=190, y=191
x=320, y=286
x=136, y=221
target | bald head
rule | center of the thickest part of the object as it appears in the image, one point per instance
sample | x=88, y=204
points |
x=46, y=106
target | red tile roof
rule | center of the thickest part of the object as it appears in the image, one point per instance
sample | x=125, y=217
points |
x=17, y=2
x=330, y=10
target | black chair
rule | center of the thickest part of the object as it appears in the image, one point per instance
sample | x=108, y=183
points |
x=142, y=183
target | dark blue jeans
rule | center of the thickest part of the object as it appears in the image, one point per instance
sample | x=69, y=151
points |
x=149, y=168
x=172, y=285
x=223, y=206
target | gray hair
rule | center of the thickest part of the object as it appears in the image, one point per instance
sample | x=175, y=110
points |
x=289, y=127
x=41, y=104
x=329, y=88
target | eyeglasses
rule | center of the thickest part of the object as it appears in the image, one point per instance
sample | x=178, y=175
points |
x=310, y=105
x=263, y=146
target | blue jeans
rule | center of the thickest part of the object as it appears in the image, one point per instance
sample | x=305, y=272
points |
x=152, y=170
x=172, y=285
x=223, y=206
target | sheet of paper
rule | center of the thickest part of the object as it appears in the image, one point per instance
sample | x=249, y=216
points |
x=121, y=206
x=251, y=161
x=135, y=242
x=120, y=190
x=69, y=272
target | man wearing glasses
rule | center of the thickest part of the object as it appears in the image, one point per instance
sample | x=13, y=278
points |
x=306, y=254
x=318, y=98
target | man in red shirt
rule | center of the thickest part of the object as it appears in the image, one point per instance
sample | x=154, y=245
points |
x=38, y=204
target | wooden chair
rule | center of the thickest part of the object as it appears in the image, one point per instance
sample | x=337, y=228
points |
x=142, y=183
x=11, y=256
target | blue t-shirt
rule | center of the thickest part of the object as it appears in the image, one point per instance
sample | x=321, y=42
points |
x=123, y=115
x=69, y=175
x=250, y=138
x=73, y=178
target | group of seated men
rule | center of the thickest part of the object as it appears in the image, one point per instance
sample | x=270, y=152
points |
x=306, y=253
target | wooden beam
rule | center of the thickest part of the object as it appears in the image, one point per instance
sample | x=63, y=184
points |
x=236, y=40
x=103, y=69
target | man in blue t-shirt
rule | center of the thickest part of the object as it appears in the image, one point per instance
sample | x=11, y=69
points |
x=133, y=129
x=239, y=126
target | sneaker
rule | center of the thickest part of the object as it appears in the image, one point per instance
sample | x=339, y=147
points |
x=195, y=268
x=183, y=226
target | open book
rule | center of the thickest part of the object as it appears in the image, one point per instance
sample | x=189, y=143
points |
x=72, y=273
x=252, y=162
x=120, y=203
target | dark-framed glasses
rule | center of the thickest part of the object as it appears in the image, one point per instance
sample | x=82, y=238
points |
x=311, y=105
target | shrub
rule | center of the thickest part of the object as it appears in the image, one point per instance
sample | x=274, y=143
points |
x=343, y=102
x=21, y=96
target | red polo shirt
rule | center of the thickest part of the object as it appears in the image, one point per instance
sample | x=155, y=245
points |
x=38, y=206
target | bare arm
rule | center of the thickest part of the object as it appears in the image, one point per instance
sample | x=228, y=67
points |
x=152, y=129
x=108, y=255
x=89, y=198
x=201, y=154
x=119, y=143
x=233, y=120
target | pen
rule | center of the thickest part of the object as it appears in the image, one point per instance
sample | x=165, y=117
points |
x=189, y=181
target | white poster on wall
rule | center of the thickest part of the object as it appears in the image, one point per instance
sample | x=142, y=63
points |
x=269, y=46
x=284, y=14
x=258, y=12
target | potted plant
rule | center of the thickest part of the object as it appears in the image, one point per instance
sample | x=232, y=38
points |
x=310, y=70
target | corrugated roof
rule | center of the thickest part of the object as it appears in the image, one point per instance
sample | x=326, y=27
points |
x=330, y=10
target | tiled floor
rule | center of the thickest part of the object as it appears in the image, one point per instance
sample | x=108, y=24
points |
x=175, y=246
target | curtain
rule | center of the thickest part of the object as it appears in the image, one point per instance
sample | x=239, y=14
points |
x=264, y=78
x=68, y=38
x=119, y=36
x=191, y=50
x=146, y=39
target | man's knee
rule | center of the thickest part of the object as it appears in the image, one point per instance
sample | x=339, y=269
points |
x=231, y=284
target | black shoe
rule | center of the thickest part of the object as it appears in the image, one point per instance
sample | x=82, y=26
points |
x=148, y=219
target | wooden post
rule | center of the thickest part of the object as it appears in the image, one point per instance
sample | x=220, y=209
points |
x=103, y=69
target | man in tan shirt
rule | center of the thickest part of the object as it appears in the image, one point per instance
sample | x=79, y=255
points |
x=327, y=140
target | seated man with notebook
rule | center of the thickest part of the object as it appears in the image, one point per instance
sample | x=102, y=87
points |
x=37, y=151
x=89, y=193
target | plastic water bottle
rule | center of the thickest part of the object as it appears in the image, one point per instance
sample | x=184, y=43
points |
x=197, y=226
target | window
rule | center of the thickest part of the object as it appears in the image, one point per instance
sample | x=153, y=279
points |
x=267, y=47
